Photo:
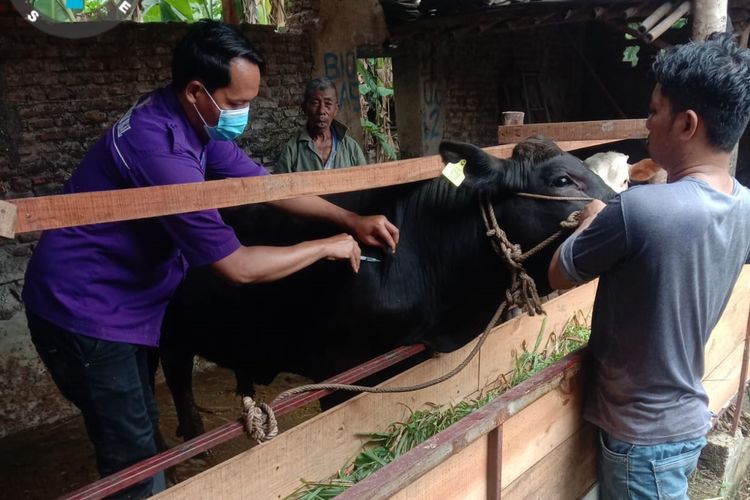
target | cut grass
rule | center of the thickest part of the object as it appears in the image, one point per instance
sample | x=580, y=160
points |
x=381, y=448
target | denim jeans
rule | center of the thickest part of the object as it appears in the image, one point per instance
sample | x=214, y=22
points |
x=628, y=471
x=108, y=382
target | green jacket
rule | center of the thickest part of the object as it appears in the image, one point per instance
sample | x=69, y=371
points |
x=299, y=153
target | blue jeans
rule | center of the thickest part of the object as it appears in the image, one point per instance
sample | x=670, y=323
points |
x=109, y=383
x=629, y=471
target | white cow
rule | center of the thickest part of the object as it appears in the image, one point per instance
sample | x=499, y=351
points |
x=612, y=167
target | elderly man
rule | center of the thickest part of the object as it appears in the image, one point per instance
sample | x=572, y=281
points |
x=668, y=256
x=323, y=143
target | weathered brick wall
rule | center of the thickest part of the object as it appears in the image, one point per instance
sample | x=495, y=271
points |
x=57, y=97
x=484, y=77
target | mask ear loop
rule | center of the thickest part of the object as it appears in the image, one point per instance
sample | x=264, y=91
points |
x=212, y=100
x=211, y=97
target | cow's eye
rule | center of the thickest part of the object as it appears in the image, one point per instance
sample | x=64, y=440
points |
x=562, y=181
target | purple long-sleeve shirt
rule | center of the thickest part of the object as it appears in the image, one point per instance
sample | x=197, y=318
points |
x=113, y=281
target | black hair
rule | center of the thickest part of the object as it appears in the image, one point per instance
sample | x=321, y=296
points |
x=713, y=79
x=321, y=84
x=206, y=51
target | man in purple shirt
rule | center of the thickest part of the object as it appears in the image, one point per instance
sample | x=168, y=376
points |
x=95, y=295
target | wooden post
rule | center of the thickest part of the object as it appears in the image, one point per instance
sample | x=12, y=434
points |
x=229, y=12
x=495, y=463
x=744, y=36
x=7, y=219
x=512, y=117
x=708, y=16
x=743, y=378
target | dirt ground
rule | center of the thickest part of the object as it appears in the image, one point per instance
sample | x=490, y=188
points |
x=705, y=485
x=55, y=459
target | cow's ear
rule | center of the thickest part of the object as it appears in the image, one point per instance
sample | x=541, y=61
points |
x=481, y=168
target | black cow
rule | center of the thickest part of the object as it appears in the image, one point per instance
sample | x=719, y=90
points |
x=440, y=287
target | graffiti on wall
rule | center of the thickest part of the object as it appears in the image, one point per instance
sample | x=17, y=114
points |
x=433, y=118
x=341, y=69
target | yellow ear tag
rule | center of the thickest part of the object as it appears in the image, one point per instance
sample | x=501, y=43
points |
x=454, y=172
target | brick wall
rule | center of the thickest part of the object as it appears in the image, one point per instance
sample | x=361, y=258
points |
x=57, y=97
x=467, y=81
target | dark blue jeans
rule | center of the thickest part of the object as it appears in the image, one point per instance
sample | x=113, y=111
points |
x=109, y=383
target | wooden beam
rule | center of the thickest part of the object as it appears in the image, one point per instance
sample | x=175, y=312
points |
x=565, y=131
x=50, y=212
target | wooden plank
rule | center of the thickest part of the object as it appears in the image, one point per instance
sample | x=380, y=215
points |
x=50, y=212
x=497, y=358
x=569, y=471
x=412, y=466
x=7, y=219
x=722, y=382
x=566, y=131
x=460, y=476
x=730, y=330
x=532, y=434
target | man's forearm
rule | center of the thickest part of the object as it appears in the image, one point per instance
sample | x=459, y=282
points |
x=315, y=207
x=557, y=278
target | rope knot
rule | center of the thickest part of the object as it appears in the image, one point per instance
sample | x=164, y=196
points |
x=572, y=221
x=260, y=422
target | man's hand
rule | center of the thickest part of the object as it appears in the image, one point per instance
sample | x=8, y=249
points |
x=374, y=230
x=342, y=247
x=557, y=279
x=592, y=210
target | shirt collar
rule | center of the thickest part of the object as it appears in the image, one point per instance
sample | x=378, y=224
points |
x=336, y=125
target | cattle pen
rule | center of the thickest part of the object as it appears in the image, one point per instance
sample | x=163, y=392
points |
x=531, y=441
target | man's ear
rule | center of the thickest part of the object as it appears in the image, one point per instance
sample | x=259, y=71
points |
x=191, y=91
x=686, y=124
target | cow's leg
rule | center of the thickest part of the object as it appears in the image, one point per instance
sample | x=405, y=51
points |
x=245, y=383
x=178, y=372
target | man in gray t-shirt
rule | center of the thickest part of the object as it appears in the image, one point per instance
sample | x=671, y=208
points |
x=667, y=257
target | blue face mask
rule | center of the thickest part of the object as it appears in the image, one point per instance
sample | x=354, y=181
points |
x=231, y=124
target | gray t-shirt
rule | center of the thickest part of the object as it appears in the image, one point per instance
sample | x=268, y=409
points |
x=668, y=256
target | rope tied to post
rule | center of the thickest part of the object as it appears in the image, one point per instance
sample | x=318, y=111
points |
x=260, y=421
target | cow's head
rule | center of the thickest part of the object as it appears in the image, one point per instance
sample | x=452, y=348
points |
x=538, y=166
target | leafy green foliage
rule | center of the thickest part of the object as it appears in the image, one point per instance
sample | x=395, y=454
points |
x=630, y=55
x=680, y=23
x=382, y=448
x=375, y=76
x=181, y=10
